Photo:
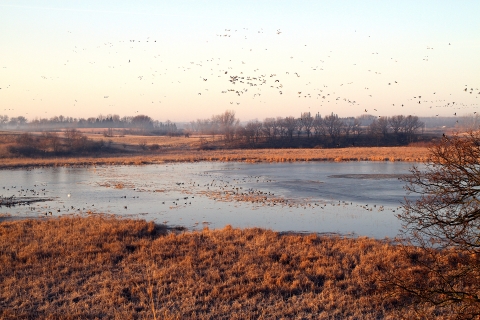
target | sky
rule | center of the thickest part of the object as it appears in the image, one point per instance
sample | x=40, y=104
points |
x=188, y=60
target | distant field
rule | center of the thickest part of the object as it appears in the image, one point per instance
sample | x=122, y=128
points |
x=135, y=140
x=100, y=267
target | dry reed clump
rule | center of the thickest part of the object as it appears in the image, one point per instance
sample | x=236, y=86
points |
x=99, y=267
x=116, y=184
x=253, y=197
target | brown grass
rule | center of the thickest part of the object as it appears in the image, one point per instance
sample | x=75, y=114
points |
x=413, y=154
x=100, y=267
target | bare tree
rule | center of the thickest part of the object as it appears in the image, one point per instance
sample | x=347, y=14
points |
x=333, y=126
x=444, y=223
x=290, y=124
x=254, y=129
x=13, y=122
x=270, y=128
x=3, y=120
x=352, y=125
x=357, y=127
x=298, y=127
x=108, y=132
x=51, y=140
x=141, y=122
x=26, y=139
x=143, y=145
x=200, y=126
x=227, y=124
x=396, y=123
x=411, y=125
x=75, y=140
x=211, y=127
x=21, y=120
x=379, y=127
x=282, y=129
x=318, y=127
x=469, y=122
x=306, y=121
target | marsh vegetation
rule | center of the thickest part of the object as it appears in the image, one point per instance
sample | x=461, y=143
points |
x=96, y=267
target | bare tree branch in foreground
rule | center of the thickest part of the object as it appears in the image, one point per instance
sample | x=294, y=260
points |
x=443, y=227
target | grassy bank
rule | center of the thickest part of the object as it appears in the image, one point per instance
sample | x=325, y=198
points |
x=413, y=154
x=101, y=267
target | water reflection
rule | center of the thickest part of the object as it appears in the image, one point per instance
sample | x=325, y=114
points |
x=347, y=198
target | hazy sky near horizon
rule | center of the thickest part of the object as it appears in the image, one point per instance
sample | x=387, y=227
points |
x=184, y=60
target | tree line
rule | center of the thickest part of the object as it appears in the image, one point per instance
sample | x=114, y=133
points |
x=330, y=130
x=139, y=122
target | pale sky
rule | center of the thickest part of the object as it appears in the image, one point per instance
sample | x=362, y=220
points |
x=174, y=59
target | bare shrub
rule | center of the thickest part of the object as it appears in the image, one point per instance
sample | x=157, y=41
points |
x=143, y=145
x=154, y=147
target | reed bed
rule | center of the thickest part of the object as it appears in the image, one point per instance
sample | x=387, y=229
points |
x=253, y=197
x=410, y=154
x=104, y=267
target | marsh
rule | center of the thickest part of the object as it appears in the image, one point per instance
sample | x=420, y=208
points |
x=348, y=198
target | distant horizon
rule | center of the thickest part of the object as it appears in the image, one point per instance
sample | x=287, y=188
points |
x=182, y=123
x=470, y=114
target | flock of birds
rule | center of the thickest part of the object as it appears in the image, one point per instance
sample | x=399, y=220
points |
x=240, y=77
x=256, y=83
x=249, y=190
x=232, y=190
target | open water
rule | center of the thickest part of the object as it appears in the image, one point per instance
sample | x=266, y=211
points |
x=348, y=198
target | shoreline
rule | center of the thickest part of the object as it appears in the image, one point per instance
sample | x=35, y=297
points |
x=381, y=154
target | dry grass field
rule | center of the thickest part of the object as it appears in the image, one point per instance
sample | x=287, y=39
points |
x=103, y=267
x=164, y=141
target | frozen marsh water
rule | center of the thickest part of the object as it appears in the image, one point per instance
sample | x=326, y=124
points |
x=358, y=198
